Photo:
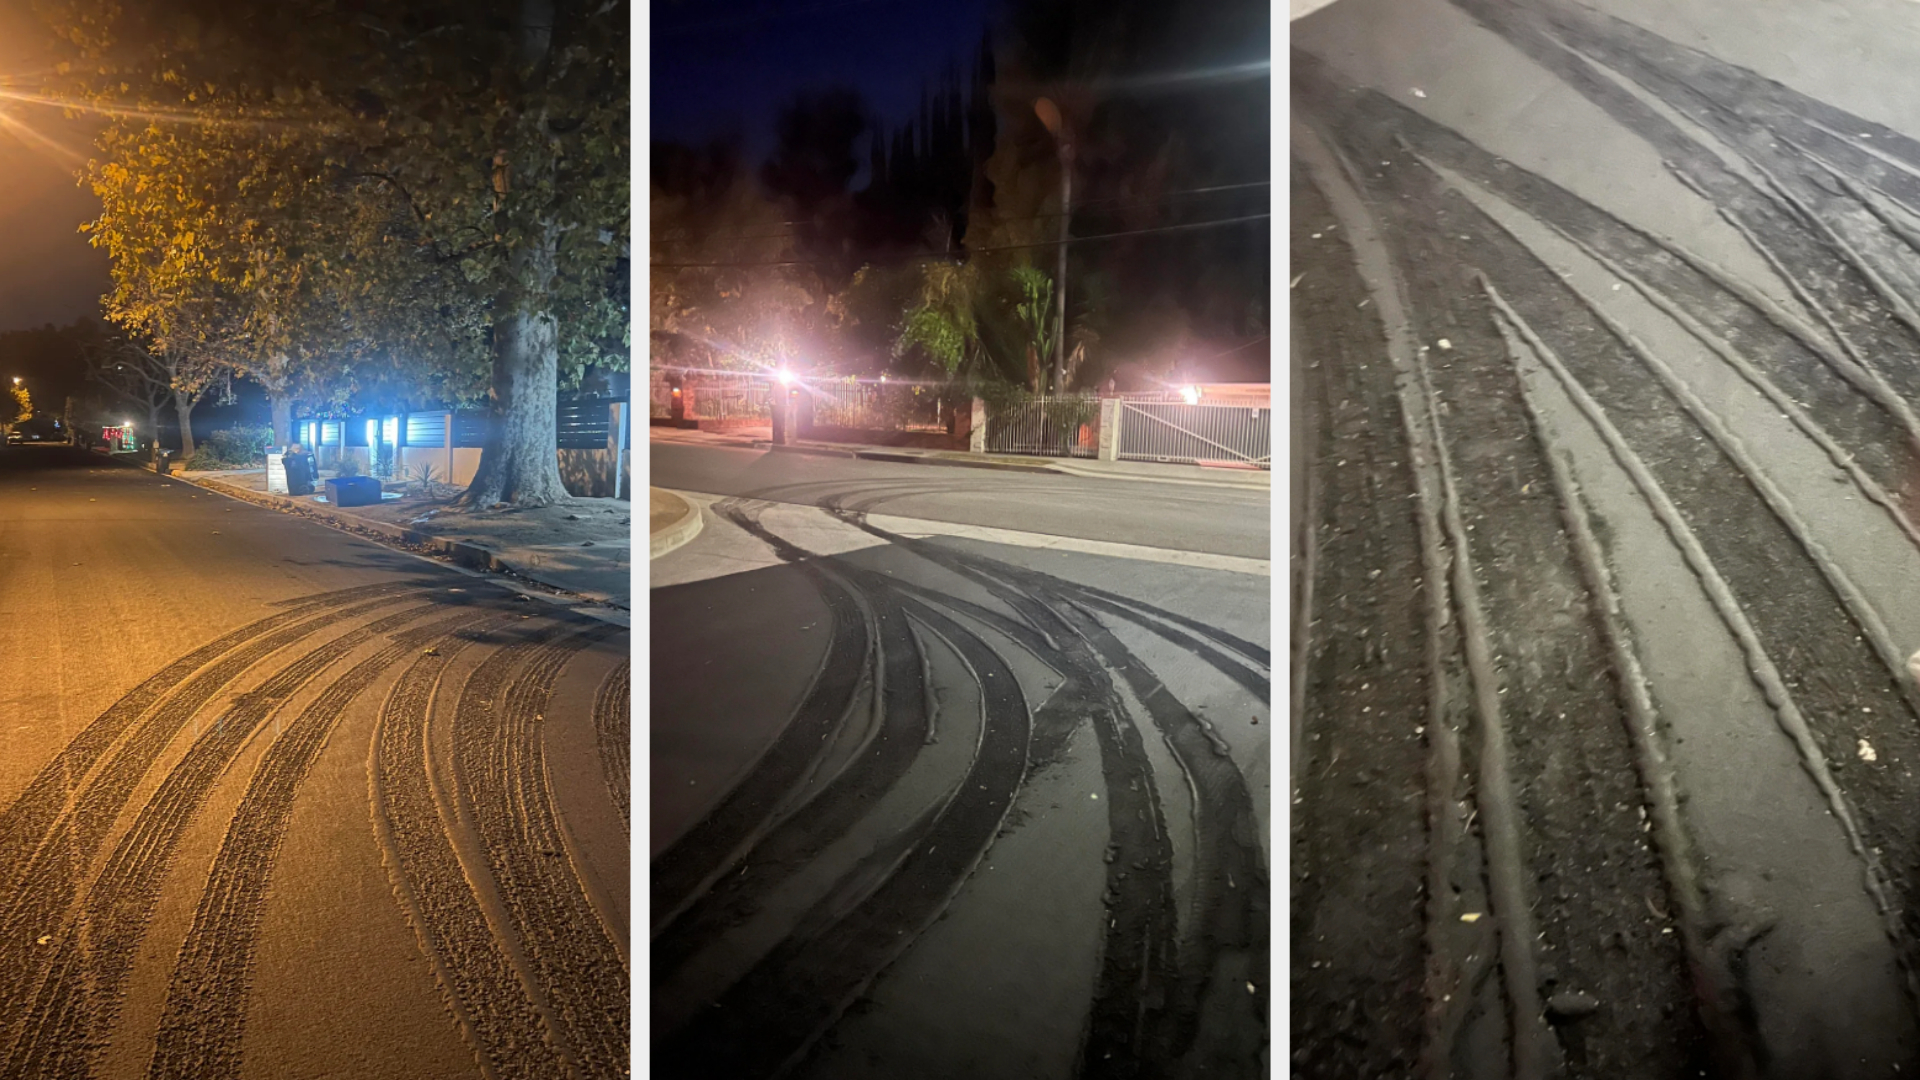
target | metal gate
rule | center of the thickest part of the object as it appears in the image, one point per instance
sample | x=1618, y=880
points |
x=1213, y=433
x=1048, y=426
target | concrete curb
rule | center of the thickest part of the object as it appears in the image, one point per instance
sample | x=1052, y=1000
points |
x=459, y=552
x=909, y=457
x=680, y=532
x=1214, y=477
x=1265, y=483
x=961, y=463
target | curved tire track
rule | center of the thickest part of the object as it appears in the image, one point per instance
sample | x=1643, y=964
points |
x=612, y=717
x=204, y=1018
x=503, y=1019
x=570, y=950
x=87, y=964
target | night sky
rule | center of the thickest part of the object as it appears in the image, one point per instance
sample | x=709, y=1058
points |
x=722, y=71
x=47, y=271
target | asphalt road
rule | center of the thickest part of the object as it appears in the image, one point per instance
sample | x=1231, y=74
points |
x=1606, y=763
x=1217, y=520
x=275, y=801
x=938, y=793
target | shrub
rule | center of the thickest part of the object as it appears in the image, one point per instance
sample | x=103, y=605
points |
x=233, y=448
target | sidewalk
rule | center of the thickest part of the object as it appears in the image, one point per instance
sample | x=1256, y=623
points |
x=583, y=547
x=1142, y=471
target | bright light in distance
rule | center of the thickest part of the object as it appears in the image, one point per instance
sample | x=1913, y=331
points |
x=128, y=424
x=883, y=378
x=785, y=376
x=1190, y=395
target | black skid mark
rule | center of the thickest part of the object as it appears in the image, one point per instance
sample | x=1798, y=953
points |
x=1139, y=1028
x=1138, y=974
x=769, y=1019
x=684, y=872
x=826, y=817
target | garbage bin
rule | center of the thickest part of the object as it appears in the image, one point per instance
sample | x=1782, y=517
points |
x=300, y=473
x=353, y=491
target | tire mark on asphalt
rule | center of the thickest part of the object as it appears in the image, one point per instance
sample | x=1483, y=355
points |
x=1223, y=955
x=1766, y=331
x=1792, y=722
x=86, y=965
x=1534, y=1052
x=1858, y=608
x=64, y=854
x=205, y=1014
x=1456, y=962
x=499, y=1013
x=1804, y=260
x=1842, y=460
x=1537, y=667
x=768, y=1020
x=793, y=843
x=1792, y=610
x=25, y=823
x=1721, y=1013
x=612, y=714
x=570, y=948
x=1137, y=1014
x=685, y=871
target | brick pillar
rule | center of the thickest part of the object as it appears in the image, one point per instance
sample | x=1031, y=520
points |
x=1109, y=429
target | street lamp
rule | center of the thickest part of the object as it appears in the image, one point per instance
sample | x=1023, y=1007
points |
x=1056, y=125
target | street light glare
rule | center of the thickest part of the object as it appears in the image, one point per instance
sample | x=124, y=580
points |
x=1190, y=394
x=785, y=376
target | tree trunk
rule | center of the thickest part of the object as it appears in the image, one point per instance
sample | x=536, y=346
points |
x=520, y=461
x=183, y=408
x=282, y=407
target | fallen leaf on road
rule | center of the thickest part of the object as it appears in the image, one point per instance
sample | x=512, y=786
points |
x=430, y=651
x=1470, y=917
x=1867, y=752
x=44, y=938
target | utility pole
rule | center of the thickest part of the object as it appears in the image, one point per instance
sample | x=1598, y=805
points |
x=1049, y=114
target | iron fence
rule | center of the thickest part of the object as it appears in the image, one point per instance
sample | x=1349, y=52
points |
x=880, y=406
x=732, y=399
x=1051, y=426
x=1240, y=434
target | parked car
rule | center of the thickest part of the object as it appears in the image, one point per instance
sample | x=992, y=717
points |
x=15, y=438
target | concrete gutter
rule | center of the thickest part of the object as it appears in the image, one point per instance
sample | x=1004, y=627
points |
x=458, y=552
x=680, y=521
